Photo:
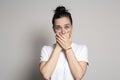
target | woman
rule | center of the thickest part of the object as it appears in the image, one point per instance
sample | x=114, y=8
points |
x=64, y=60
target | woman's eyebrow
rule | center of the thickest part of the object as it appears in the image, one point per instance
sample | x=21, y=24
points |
x=64, y=25
x=57, y=25
x=67, y=24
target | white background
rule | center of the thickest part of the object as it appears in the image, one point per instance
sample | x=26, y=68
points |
x=25, y=26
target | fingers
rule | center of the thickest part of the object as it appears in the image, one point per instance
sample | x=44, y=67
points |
x=63, y=38
x=59, y=39
x=60, y=36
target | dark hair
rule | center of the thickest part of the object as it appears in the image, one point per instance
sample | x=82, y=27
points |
x=61, y=11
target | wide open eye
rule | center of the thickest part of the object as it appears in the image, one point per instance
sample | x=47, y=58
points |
x=67, y=27
x=57, y=27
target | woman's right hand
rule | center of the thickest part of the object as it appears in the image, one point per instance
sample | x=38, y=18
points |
x=58, y=47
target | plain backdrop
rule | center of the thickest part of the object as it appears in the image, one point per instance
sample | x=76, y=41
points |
x=25, y=26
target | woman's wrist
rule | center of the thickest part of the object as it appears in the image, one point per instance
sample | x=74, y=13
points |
x=68, y=49
x=58, y=48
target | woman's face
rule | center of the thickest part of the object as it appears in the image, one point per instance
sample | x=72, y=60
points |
x=63, y=25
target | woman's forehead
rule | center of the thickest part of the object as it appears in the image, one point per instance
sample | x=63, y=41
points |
x=62, y=20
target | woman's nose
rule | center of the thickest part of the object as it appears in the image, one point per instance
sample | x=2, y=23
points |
x=63, y=31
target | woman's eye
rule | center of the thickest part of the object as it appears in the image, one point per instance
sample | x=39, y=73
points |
x=66, y=27
x=57, y=28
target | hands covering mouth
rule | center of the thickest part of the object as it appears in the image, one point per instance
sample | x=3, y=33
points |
x=64, y=40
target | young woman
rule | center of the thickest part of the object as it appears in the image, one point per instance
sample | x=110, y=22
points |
x=64, y=60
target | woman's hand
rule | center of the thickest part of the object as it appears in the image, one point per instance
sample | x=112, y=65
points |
x=64, y=40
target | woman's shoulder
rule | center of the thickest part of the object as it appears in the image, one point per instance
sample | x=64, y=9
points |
x=78, y=45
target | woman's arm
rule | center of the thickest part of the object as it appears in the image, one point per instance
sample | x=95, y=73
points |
x=47, y=67
x=77, y=68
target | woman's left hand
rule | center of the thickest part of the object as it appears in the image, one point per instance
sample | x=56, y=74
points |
x=64, y=40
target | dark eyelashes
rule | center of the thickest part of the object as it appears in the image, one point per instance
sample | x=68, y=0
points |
x=58, y=27
x=66, y=26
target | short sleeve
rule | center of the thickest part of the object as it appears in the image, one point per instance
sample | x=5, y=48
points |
x=83, y=53
x=44, y=54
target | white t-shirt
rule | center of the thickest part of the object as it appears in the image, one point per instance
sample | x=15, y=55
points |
x=62, y=70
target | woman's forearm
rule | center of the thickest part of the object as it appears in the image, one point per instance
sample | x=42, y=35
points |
x=48, y=68
x=75, y=67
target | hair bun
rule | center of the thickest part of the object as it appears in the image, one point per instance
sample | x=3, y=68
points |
x=60, y=9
